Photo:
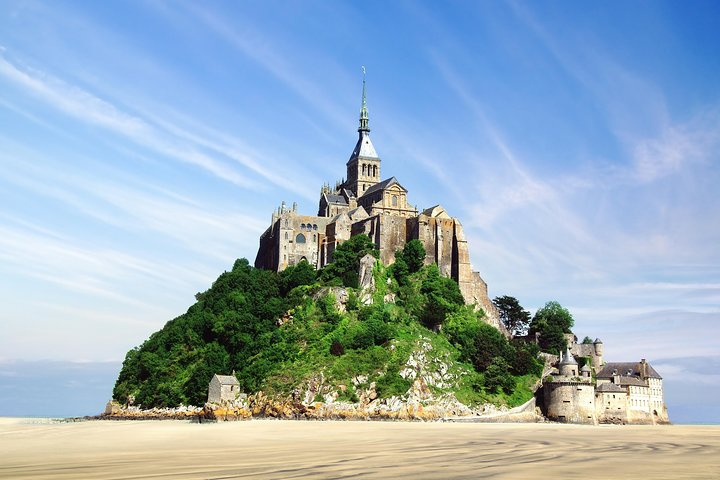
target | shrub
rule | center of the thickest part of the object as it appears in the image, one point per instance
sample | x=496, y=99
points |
x=497, y=376
x=392, y=384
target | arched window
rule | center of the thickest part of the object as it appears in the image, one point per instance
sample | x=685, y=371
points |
x=300, y=238
x=394, y=200
x=286, y=235
x=302, y=227
x=374, y=170
x=314, y=237
x=363, y=167
x=314, y=226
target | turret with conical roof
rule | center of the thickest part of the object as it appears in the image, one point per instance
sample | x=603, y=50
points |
x=363, y=167
x=568, y=366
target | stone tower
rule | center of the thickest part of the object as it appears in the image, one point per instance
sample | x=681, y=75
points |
x=363, y=167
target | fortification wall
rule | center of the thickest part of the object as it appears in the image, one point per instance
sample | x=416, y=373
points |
x=570, y=402
x=611, y=407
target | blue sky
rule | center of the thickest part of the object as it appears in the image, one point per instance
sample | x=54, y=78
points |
x=144, y=145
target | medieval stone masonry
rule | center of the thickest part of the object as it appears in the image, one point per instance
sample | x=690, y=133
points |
x=600, y=392
x=363, y=204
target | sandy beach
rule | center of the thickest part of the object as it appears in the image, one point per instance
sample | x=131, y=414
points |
x=302, y=449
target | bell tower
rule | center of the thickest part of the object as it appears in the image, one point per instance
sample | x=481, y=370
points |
x=363, y=167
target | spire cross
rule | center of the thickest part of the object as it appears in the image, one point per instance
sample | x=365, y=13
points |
x=364, y=120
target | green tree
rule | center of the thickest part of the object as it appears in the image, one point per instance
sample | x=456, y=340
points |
x=295, y=275
x=442, y=296
x=587, y=340
x=498, y=377
x=552, y=315
x=477, y=341
x=414, y=255
x=346, y=260
x=515, y=318
x=399, y=270
x=552, y=340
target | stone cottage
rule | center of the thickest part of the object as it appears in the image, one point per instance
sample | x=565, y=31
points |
x=223, y=388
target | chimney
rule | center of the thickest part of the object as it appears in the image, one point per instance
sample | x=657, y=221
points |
x=643, y=369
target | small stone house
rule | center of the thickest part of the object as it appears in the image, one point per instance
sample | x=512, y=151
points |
x=223, y=388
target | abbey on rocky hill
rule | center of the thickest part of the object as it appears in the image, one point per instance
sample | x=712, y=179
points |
x=363, y=204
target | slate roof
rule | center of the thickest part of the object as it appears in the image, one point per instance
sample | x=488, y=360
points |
x=227, y=379
x=336, y=199
x=609, y=388
x=623, y=368
x=568, y=358
x=436, y=211
x=625, y=380
x=358, y=213
x=382, y=186
x=364, y=147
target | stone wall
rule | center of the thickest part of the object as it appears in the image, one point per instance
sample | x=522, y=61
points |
x=611, y=407
x=570, y=402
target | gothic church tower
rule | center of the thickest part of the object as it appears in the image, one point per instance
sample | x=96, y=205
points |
x=363, y=168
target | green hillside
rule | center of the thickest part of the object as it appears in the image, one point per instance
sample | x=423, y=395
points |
x=283, y=333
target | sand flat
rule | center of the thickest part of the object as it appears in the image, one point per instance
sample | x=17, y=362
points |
x=303, y=449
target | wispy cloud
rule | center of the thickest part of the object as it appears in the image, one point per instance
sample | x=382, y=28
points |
x=118, y=199
x=676, y=147
x=154, y=133
x=251, y=42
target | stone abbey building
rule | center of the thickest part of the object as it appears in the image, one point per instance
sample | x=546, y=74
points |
x=362, y=203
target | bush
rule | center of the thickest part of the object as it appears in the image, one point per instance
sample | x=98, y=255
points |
x=346, y=261
x=497, y=376
x=442, y=296
x=413, y=254
x=392, y=384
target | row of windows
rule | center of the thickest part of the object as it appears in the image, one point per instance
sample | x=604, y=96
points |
x=369, y=170
x=308, y=226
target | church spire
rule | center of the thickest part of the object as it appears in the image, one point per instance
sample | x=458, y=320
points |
x=363, y=110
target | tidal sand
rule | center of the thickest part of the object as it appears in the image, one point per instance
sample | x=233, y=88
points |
x=303, y=449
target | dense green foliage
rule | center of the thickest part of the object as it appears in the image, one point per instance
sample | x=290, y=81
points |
x=346, y=261
x=279, y=331
x=515, y=318
x=552, y=321
x=482, y=345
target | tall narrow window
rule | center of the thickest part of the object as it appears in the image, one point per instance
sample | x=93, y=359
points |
x=394, y=200
x=374, y=170
x=363, y=169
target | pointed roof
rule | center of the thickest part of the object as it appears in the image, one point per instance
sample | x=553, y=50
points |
x=568, y=358
x=363, y=147
x=364, y=118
